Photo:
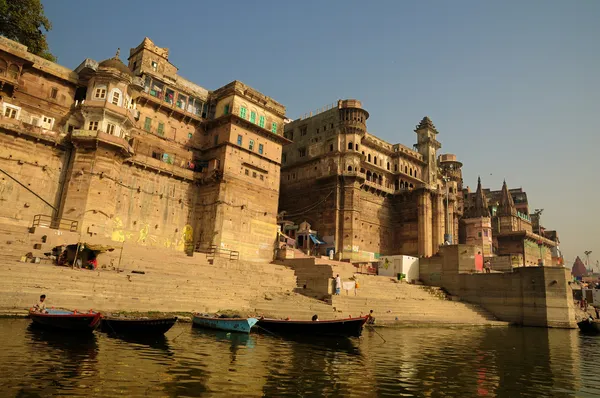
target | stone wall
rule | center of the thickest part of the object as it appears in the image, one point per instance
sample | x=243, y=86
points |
x=529, y=296
x=38, y=166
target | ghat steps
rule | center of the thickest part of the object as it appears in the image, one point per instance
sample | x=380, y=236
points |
x=174, y=282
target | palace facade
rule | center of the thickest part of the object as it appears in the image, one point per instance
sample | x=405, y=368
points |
x=137, y=153
x=364, y=196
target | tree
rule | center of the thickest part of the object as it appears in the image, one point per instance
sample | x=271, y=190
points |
x=23, y=21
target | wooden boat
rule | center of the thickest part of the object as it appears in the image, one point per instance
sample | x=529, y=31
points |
x=349, y=327
x=589, y=326
x=138, y=326
x=67, y=320
x=242, y=325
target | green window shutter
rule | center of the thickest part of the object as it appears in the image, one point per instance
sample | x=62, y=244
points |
x=243, y=112
x=147, y=124
x=226, y=110
x=251, y=145
x=274, y=128
x=239, y=141
x=161, y=128
x=260, y=148
x=253, y=117
x=261, y=122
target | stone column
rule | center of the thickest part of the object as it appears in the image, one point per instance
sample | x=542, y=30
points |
x=438, y=222
x=451, y=221
x=425, y=223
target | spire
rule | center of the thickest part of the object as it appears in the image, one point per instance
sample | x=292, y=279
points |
x=426, y=123
x=118, y=53
x=480, y=205
x=507, y=205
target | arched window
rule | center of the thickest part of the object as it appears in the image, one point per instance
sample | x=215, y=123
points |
x=411, y=186
x=349, y=168
x=374, y=177
x=350, y=146
x=3, y=67
x=395, y=167
x=115, y=97
x=397, y=185
x=401, y=183
x=410, y=172
x=369, y=158
x=380, y=180
x=356, y=146
x=405, y=169
x=13, y=72
x=388, y=165
x=368, y=175
x=375, y=160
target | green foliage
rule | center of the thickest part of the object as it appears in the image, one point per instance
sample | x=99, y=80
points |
x=23, y=21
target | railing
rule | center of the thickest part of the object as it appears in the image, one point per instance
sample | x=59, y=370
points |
x=42, y=220
x=215, y=251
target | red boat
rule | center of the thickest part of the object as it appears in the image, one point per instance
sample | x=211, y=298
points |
x=349, y=327
x=67, y=320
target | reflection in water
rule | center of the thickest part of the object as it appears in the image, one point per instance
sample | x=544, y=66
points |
x=453, y=362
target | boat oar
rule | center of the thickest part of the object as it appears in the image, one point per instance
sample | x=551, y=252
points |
x=378, y=334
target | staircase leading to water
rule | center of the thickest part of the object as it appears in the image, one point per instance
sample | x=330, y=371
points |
x=393, y=301
x=155, y=279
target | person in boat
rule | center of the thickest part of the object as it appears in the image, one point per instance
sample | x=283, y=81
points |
x=338, y=284
x=370, y=318
x=41, y=306
x=315, y=318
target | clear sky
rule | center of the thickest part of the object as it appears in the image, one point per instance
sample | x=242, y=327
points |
x=512, y=86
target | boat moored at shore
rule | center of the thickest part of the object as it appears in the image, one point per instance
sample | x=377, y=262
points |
x=242, y=325
x=67, y=320
x=349, y=327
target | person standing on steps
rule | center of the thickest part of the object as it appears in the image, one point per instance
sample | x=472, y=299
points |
x=338, y=284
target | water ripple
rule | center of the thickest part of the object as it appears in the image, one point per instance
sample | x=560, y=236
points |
x=453, y=362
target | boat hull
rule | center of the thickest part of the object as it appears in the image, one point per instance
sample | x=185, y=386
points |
x=589, y=327
x=66, y=320
x=138, y=327
x=241, y=325
x=351, y=327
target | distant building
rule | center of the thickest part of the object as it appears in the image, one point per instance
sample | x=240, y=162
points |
x=512, y=229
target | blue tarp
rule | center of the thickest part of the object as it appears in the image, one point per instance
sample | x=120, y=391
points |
x=317, y=240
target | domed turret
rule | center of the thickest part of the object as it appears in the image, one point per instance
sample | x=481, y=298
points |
x=115, y=63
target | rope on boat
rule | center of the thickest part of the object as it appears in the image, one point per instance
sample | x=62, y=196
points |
x=268, y=331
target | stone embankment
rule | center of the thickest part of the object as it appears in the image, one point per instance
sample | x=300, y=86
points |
x=153, y=279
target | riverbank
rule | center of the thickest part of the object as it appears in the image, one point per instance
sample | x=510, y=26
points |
x=258, y=290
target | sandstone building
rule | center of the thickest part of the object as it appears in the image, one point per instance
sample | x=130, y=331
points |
x=500, y=222
x=364, y=196
x=137, y=153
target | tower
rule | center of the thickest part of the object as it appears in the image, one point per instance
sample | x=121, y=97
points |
x=428, y=145
x=477, y=222
x=507, y=212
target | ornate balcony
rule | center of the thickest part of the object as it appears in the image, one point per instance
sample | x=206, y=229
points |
x=97, y=138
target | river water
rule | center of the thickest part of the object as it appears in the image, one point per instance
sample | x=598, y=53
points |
x=411, y=362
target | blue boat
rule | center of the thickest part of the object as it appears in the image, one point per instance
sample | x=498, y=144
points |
x=242, y=325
